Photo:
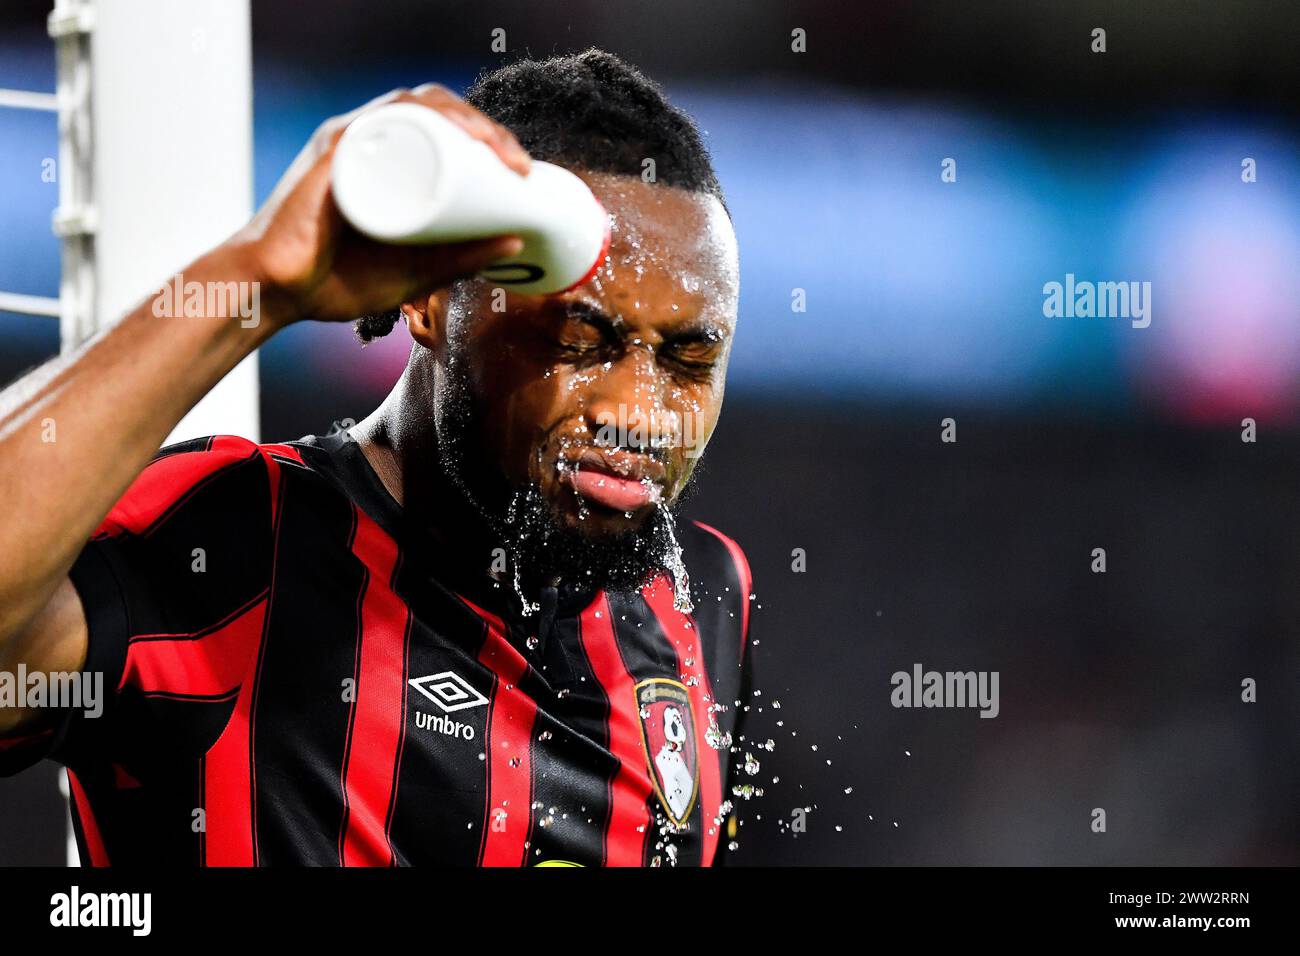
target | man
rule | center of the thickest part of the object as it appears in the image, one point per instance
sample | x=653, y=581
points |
x=451, y=633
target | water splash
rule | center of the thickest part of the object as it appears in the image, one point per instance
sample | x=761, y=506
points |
x=675, y=564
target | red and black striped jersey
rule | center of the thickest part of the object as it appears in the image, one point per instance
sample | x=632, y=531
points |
x=296, y=678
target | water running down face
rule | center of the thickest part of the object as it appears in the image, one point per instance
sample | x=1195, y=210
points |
x=573, y=422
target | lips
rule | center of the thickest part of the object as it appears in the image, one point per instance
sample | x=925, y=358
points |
x=621, y=481
x=619, y=494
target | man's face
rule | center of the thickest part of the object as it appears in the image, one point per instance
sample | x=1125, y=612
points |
x=599, y=401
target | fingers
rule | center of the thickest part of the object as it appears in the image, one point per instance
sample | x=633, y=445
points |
x=330, y=131
x=472, y=121
x=437, y=97
x=432, y=267
x=469, y=257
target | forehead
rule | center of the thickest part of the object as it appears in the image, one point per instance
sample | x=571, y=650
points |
x=665, y=243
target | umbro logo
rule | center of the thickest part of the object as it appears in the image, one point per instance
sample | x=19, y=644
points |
x=449, y=691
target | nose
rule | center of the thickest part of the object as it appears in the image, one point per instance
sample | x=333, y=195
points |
x=626, y=409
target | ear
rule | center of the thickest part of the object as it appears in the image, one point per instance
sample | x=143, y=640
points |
x=426, y=319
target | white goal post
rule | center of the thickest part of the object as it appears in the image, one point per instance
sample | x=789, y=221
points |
x=154, y=101
x=155, y=111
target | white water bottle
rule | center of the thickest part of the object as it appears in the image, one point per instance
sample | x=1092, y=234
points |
x=403, y=173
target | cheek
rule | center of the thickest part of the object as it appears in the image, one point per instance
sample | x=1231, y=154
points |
x=529, y=413
x=697, y=409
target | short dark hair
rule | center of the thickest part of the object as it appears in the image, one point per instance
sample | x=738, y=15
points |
x=592, y=111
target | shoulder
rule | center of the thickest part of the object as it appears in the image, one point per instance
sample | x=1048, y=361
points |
x=714, y=557
x=179, y=473
x=216, y=473
x=721, y=581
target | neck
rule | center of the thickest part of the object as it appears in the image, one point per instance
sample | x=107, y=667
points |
x=400, y=441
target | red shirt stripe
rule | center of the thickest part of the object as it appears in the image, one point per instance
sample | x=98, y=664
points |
x=629, y=815
x=375, y=726
x=89, y=828
x=230, y=826
x=746, y=580
x=683, y=634
x=227, y=790
x=190, y=666
x=508, y=747
x=154, y=492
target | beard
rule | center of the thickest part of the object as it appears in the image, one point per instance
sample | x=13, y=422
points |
x=542, y=548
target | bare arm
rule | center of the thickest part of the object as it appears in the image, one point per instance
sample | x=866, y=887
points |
x=111, y=404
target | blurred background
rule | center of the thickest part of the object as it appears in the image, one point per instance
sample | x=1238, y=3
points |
x=924, y=302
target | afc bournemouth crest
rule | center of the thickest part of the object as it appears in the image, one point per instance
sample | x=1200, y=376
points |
x=668, y=732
